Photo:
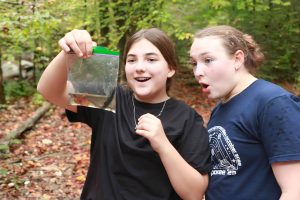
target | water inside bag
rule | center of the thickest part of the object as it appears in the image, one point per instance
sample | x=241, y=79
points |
x=92, y=81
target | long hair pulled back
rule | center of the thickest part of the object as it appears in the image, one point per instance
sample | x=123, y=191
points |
x=233, y=40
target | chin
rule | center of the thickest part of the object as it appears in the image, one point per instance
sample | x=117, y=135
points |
x=142, y=94
x=213, y=96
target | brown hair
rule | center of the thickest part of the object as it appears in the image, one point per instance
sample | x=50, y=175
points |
x=234, y=40
x=161, y=41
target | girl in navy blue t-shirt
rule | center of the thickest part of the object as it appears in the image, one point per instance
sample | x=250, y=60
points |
x=254, y=132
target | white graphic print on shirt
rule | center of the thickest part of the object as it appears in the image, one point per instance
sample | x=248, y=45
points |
x=225, y=159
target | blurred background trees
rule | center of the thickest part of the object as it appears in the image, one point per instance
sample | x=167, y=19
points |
x=30, y=30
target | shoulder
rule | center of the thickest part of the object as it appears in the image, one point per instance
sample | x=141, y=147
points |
x=279, y=127
x=180, y=105
x=262, y=92
x=267, y=90
x=123, y=92
x=288, y=104
x=281, y=110
x=182, y=109
x=267, y=93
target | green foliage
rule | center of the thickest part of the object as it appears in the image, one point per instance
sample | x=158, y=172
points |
x=274, y=24
x=37, y=99
x=34, y=27
x=15, y=141
x=3, y=172
x=16, y=89
x=4, y=148
x=112, y=21
x=298, y=80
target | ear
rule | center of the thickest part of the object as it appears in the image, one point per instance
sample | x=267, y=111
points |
x=171, y=73
x=239, y=57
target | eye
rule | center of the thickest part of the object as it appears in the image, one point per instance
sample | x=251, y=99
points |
x=193, y=63
x=130, y=60
x=152, y=59
x=208, y=60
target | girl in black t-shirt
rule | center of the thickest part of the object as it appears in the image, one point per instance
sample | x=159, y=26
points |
x=152, y=146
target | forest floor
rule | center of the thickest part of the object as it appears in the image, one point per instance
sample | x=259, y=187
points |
x=52, y=158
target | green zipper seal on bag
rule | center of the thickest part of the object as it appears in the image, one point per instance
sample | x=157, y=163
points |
x=103, y=50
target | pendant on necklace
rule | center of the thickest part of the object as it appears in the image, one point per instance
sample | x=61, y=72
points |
x=134, y=115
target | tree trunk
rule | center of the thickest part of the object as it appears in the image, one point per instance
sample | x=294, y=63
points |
x=20, y=67
x=85, y=14
x=34, y=67
x=2, y=94
x=35, y=45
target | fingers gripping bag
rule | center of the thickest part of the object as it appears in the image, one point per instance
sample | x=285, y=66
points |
x=92, y=81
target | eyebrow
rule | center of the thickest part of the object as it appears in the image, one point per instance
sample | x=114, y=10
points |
x=202, y=54
x=147, y=54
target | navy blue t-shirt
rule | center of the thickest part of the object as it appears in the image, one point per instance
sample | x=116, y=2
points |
x=257, y=127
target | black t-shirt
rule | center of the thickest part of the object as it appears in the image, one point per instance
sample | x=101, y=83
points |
x=123, y=164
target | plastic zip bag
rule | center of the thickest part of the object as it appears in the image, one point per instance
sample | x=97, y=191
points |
x=92, y=81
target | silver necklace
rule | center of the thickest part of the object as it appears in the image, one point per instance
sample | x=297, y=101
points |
x=159, y=114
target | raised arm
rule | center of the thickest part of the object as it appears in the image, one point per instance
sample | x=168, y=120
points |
x=53, y=82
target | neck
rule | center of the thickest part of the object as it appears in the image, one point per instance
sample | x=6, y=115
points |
x=243, y=82
x=134, y=110
x=159, y=99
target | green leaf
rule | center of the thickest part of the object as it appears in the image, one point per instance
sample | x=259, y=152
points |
x=15, y=141
x=4, y=148
x=3, y=172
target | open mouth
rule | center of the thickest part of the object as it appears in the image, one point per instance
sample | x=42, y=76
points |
x=203, y=85
x=142, y=79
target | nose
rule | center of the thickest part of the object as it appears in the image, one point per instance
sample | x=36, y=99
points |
x=140, y=66
x=198, y=70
